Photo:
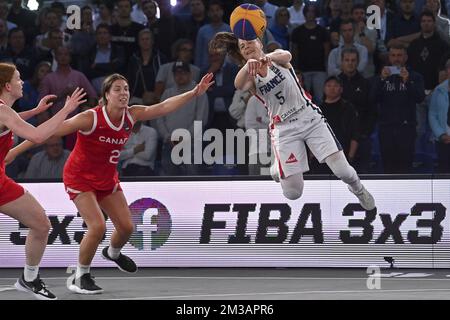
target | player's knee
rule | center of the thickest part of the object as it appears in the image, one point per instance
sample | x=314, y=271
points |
x=97, y=230
x=293, y=194
x=41, y=225
x=126, y=229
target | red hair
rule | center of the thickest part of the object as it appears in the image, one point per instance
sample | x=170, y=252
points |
x=6, y=73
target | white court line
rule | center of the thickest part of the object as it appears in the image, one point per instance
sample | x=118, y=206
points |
x=238, y=278
x=278, y=293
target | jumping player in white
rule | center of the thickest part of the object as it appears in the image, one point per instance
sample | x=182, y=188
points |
x=295, y=120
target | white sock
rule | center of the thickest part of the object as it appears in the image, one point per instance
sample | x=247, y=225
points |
x=113, y=253
x=30, y=273
x=82, y=269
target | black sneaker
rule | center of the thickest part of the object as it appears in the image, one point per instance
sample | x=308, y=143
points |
x=124, y=263
x=85, y=285
x=36, y=287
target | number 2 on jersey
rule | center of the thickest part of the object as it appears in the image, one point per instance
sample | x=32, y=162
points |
x=114, y=159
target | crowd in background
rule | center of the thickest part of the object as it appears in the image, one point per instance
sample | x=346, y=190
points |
x=385, y=92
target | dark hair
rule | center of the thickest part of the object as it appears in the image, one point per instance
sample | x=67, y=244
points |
x=177, y=45
x=14, y=30
x=58, y=6
x=346, y=21
x=333, y=78
x=103, y=26
x=349, y=51
x=129, y=1
x=358, y=6
x=398, y=46
x=229, y=43
x=309, y=5
x=216, y=3
x=34, y=79
x=427, y=13
x=107, y=84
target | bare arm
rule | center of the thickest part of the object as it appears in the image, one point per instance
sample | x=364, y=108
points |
x=43, y=105
x=13, y=121
x=280, y=56
x=143, y=113
x=82, y=121
x=244, y=81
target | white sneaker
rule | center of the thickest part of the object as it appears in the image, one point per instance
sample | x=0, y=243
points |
x=274, y=172
x=365, y=198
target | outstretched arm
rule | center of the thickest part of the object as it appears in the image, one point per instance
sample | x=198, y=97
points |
x=143, y=113
x=280, y=56
x=82, y=121
x=43, y=105
x=13, y=121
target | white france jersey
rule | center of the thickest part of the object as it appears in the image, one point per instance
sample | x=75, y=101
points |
x=283, y=96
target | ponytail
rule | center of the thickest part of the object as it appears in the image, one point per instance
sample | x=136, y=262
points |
x=227, y=42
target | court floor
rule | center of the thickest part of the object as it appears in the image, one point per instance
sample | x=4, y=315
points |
x=245, y=284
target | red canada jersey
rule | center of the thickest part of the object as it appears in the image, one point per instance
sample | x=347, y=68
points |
x=6, y=143
x=95, y=156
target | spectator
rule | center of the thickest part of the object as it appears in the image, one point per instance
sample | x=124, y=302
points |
x=439, y=118
x=442, y=23
x=8, y=15
x=332, y=14
x=381, y=53
x=83, y=39
x=280, y=27
x=310, y=48
x=206, y=33
x=64, y=81
x=296, y=13
x=221, y=92
x=405, y=25
x=269, y=10
x=166, y=29
x=356, y=91
x=54, y=22
x=30, y=96
x=335, y=25
x=143, y=68
x=365, y=36
x=196, y=20
x=396, y=96
x=49, y=163
x=342, y=118
x=195, y=110
x=347, y=31
x=105, y=14
x=24, y=57
x=137, y=14
x=55, y=40
x=3, y=35
x=103, y=59
x=139, y=153
x=256, y=118
x=183, y=50
x=125, y=31
x=238, y=107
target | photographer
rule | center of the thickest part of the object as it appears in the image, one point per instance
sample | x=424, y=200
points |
x=396, y=92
